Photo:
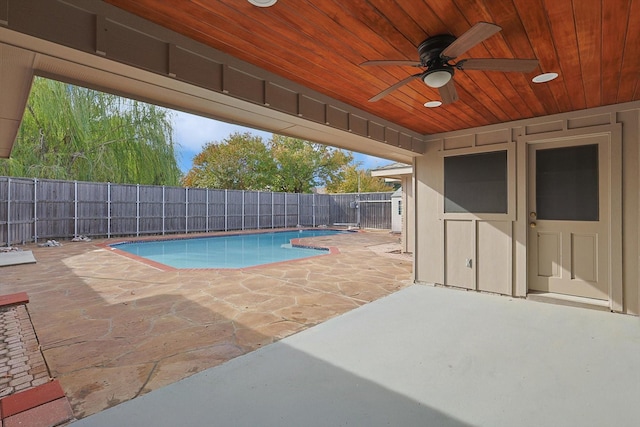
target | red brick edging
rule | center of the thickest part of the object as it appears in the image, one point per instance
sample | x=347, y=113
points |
x=29, y=399
x=44, y=405
x=14, y=299
x=41, y=405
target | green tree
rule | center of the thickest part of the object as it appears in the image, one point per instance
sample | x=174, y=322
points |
x=244, y=162
x=303, y=165
x=240, y=162
x=73, y=133
x=359, y=180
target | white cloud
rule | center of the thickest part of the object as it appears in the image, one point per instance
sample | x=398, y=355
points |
x=366, y=161
x=192, y=132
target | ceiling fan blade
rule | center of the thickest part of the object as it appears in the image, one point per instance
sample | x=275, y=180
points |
x=475, y=35
x=498, y=64
x=393, y=62
x=390, y=89
x=448, y=93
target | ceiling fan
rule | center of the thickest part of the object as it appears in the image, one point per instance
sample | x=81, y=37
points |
x=436, y=55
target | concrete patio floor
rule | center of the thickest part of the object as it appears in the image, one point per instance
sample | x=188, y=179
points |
x=112, y=328
x=423, y=356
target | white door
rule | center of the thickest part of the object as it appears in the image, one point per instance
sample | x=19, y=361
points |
x=568, y=217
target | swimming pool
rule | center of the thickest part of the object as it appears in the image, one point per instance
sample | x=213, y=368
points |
x=230, y=251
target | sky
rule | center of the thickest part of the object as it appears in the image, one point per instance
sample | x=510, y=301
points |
x=192, y=132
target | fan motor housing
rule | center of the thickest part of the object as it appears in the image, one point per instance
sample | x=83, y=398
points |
x=430, y=49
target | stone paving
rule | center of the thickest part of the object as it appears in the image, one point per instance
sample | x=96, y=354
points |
x=21, y=363
x=112, y=328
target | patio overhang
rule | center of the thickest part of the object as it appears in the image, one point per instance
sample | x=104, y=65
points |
x=152, y=64
x=396, y=171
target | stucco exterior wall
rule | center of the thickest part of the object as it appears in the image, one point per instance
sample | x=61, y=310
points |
x=489, y=252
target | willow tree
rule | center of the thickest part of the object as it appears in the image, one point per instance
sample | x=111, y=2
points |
x=73, y=133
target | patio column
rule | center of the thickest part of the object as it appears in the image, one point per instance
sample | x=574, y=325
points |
x=16, y=69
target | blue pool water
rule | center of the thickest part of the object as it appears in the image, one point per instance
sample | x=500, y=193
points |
x=235, y=251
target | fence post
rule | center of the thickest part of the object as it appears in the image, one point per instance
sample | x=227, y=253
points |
x=186, y=210
x=313, y=210
x=163, y=211
x=137, y=210
x=75, y=208
x=108, y=210
x=35, y=210
x=243, y=209
x=226, y=211
x=298, y=221
x=206, y=227
x=273, y=210
x=8, y=212
x=258, y=210
x=358, y=207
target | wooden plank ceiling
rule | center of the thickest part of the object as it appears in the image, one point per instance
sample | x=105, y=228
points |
x=594, y=45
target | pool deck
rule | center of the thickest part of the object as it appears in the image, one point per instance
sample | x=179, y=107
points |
x=112, y=328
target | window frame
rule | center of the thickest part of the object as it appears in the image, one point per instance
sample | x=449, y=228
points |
x=510, y=215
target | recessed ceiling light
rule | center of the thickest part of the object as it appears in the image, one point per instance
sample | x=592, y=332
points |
x=432, y=104
x=263, y=3
x=543, y=78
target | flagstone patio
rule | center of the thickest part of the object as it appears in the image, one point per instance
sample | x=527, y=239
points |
x=112, y=328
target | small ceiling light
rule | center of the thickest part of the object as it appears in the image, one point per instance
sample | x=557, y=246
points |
x=437, y=78
x=543, y=78
x=432, y=104
x=263, y=3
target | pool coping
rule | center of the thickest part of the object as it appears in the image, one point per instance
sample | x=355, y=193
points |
x=331, y=250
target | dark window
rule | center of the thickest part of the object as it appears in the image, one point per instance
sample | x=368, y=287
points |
x=567, y=183
x=476, y=183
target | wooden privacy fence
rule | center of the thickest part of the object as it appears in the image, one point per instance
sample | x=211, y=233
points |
x=34, y=209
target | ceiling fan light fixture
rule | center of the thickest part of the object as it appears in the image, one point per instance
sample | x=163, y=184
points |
x=263, y=3
x=544, y=78
x=437, y=53
x=433, y=104
x=437, y=78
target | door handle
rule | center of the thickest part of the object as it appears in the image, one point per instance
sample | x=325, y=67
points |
x=533, y=225
x=533, y=215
